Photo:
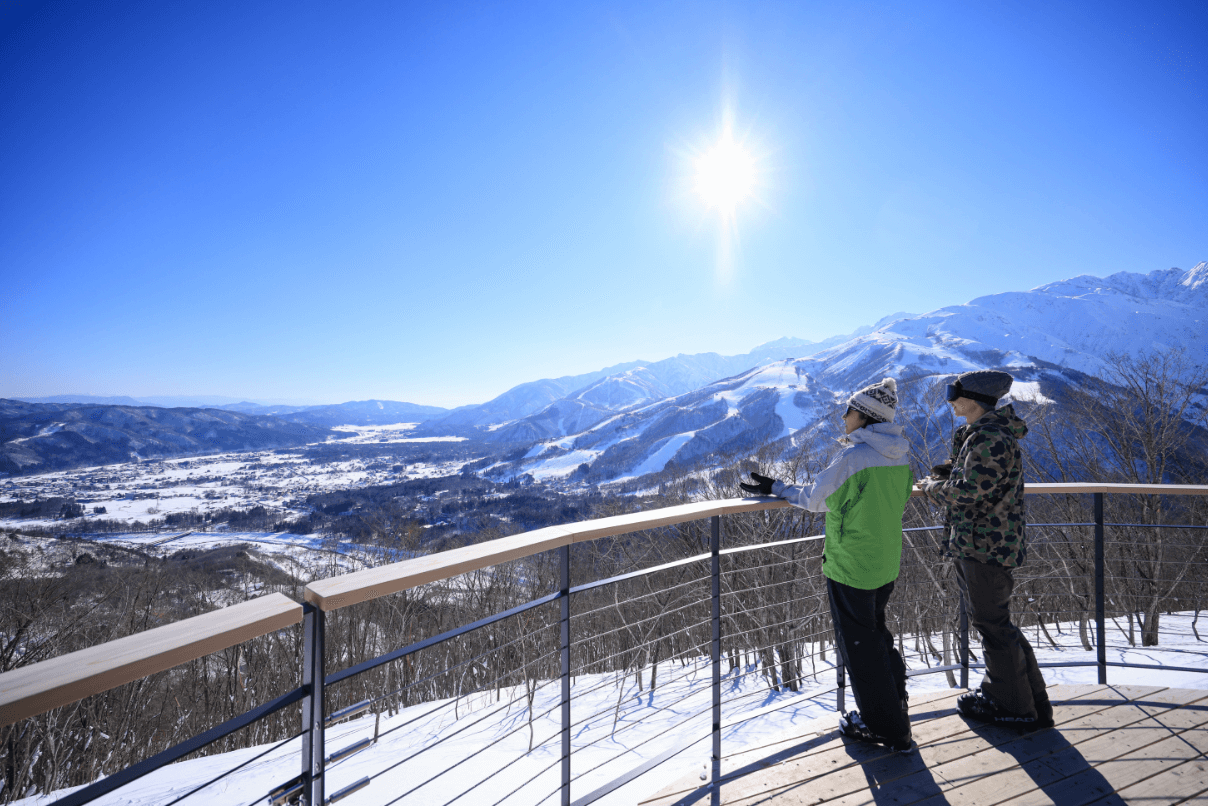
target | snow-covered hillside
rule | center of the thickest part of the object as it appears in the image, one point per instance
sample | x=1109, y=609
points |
x=1040, y=334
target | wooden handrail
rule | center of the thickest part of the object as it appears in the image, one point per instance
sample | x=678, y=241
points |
x=1135, y=489
x=370, y=583
x=39, y=687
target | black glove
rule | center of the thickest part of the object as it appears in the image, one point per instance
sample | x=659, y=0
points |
x=762, y=485
x=942, y=471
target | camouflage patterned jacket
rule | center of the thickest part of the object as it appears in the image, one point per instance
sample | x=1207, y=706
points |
x=984, y=494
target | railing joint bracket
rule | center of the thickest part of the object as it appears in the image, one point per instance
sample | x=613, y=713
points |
x=348, y=790
x=288, y=792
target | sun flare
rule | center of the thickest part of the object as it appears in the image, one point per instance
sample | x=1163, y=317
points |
x=725, y=175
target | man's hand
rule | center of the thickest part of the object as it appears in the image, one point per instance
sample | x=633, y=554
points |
x=928, y=485
x=762, y=485
x=942, y=471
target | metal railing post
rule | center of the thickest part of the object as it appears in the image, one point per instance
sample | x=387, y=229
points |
x=715, y=650
x=1100, y=608
x=840, y=682
x=964, y=623
x=312, y=705
x=564, y=581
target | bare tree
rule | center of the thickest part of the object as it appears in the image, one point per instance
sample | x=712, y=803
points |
x=1142, y=422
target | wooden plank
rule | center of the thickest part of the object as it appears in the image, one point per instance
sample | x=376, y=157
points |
x=894, y=779
x=814, y=737
x=1144, y=707
x=1032, y=766
x=829, y=757
x=845, y=775
x=1135, y=765
x=938, y=730
x=839, y=770
x=845, y=766
x=1115, y=760
x=887, y=783
x=983, y=773
x=796, y=746
x=947, y=736
x=39, y=687
x=924, y=703
x=1068, y=710
x=1161, y=702
x=1173, y=785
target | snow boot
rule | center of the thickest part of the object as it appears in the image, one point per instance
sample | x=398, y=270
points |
x=852, y=725
x=978, y=705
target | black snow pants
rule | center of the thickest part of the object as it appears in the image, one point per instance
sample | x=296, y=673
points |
x=874, y=665
x=1012, y=678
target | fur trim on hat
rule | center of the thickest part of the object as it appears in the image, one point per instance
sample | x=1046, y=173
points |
x=878, y=402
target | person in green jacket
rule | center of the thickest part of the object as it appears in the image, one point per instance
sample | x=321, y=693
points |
x=863, y=493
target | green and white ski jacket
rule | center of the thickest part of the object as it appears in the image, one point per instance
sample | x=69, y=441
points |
x=863, y=493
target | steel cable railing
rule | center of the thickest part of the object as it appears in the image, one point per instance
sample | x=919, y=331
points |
x=232, y=770
x=656, y=617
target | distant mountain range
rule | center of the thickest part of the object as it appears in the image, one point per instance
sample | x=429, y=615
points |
x=1045, y=337
x=358, y=412
x=605, y=389
x=634, y=418
x=540, y=409
x=39, y=437
x=162, y=401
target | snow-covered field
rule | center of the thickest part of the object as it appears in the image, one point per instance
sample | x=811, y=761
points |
x=397, y=432
x=143, y=491
x=479, y=747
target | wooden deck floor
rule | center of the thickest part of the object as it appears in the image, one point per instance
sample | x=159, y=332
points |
x=1112, y=745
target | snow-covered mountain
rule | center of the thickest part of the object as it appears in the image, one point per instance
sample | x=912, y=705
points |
x=556, y=407
x=1040, y=335
x=356, y=412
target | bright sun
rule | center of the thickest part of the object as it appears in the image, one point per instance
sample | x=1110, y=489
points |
x=725, y=175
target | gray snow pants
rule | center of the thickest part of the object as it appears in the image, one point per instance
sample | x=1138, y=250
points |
x=1012, y=678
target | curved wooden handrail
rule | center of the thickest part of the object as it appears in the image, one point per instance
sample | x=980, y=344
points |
x=361, y=586
x=39, y=687
x=370, y=583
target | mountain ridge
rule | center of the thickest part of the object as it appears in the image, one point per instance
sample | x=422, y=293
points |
x=1049, y=335
x=41, y=437
x=637, y=417
x=513, y=416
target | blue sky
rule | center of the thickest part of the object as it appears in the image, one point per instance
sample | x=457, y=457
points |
x=433, y=202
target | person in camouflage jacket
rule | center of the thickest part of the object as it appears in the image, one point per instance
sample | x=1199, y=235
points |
x=981, y=489
x=984, y=491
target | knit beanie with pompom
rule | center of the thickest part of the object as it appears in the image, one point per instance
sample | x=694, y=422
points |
x=878, y=402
